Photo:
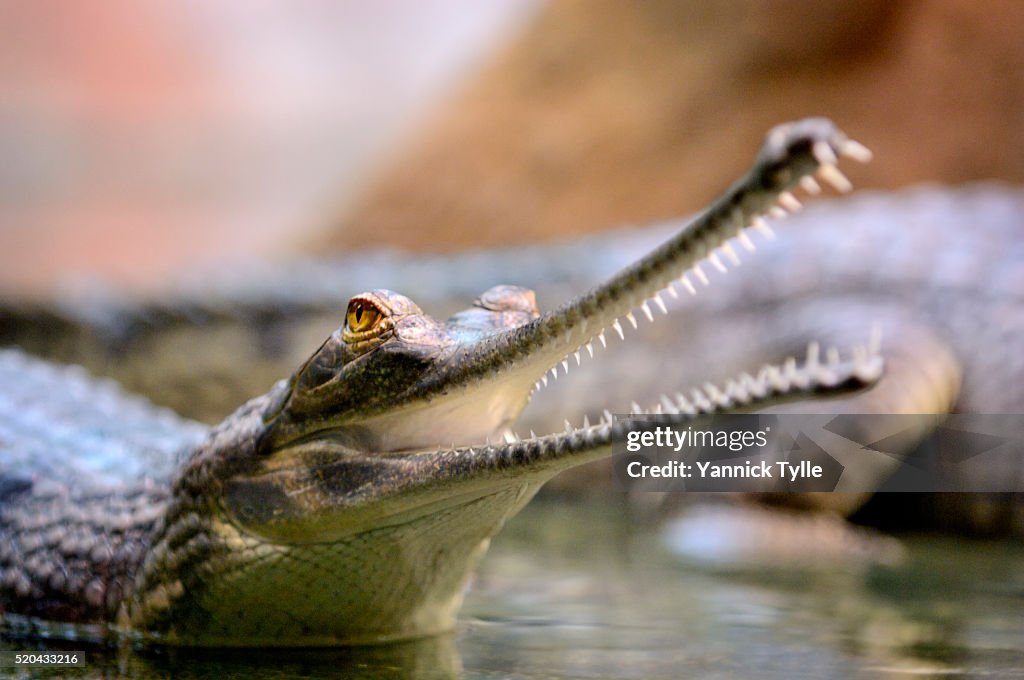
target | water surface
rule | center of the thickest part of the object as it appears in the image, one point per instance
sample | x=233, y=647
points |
x=583, y=591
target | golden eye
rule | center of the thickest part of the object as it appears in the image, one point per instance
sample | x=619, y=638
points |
x=361, y=316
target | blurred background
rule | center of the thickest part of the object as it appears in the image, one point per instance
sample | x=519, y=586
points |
x=142, y=139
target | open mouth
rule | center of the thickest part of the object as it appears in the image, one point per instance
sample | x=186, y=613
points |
x=797, y=156
x=421, y=424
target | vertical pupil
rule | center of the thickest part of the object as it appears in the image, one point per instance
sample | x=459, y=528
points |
x=359, y=313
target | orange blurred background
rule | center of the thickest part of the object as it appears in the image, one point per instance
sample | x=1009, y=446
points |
x=140, y=138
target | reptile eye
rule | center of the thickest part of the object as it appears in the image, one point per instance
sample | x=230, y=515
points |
x=362, y=316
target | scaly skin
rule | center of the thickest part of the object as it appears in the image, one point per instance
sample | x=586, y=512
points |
x=349, y=504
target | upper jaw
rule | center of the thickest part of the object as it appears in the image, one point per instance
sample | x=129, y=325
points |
x=523, y=357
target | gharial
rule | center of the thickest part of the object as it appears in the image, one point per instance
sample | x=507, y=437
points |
x=349, y=503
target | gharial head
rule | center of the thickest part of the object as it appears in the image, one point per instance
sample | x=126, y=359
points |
x=372, y=384
x=374, y=480
x=392, y=379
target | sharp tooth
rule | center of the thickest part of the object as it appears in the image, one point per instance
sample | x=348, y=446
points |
x=688, y=285
x=618, y=329
x=554, y=373
x=731, y=254
x=544, y=379
x=533, y=435
x=565, y=366
x=608, y=416
x=590, y=348
x=604, y=342
x=789, y=202
x=856, y=151
x=669, y=406
x=769, y=376
x=832, y=356
x=646, y=309
x=802, y=379
x=789, y=367
x=579, y=360
x=835, y=177
x=746, y=242
x=809, y=185
x=510, y=438
x=824, y=154
x=568, y=426
x=777, y=212
x=812, y=355
x=699, y=273
x=671, y=288
x=754, y=386
x=586, y=421
x=735, y=392
x=658, y=410
x=714, y=394
x=717, y=262
x=661, y=303
x=631, y=319
x=635, y=408
x=763, y=227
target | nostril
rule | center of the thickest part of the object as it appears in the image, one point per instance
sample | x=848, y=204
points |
x=506, y=298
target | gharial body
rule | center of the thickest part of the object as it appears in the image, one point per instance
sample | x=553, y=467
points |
x=349, y=503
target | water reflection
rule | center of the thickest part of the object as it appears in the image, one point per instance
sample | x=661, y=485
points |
x=582, y=591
